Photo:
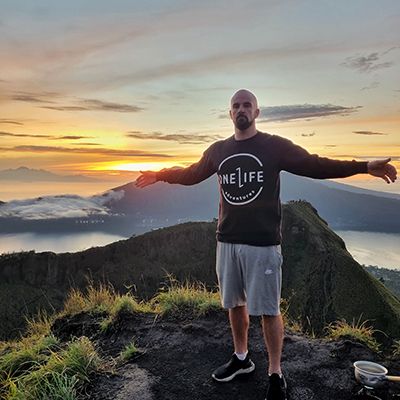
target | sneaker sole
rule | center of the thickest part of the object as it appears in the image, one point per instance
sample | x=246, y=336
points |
x=239, y=372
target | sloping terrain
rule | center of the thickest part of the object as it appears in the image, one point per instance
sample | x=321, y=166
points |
x=320, y=278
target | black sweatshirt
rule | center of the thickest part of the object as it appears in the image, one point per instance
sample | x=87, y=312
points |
x=248, y=176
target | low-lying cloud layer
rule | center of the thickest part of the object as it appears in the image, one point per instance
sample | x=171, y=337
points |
x=180, y=138
x=56, y=207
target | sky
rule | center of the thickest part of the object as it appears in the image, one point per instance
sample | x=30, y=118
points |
x=105, y=89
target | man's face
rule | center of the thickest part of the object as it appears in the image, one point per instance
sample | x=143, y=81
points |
x=243, y=110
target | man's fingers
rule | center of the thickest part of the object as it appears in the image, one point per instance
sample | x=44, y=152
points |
x=391, y=172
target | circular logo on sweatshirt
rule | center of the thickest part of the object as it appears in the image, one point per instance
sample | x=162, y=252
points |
x=241, y=177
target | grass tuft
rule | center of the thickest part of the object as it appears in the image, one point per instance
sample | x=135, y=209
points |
x=40, y=325
x=396, y=348
x=52, y=385
x=58, y=375
x=23, y=355
x=129, y=351
x=97, y=299
x=358, y=331
x=189, y=297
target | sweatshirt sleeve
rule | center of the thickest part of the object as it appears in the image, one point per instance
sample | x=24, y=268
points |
x=191, y=175
x=298, y=161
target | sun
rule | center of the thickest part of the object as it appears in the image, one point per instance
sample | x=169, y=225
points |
x=126, y=166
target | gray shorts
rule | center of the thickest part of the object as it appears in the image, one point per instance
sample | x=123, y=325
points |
x=250, y=275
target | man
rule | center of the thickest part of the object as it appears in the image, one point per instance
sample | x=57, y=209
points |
x=248, y=233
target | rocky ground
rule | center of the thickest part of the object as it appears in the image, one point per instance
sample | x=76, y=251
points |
x=178, y=354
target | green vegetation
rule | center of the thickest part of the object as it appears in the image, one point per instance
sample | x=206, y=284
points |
x=388, y=277
x=39, y=366
x=47, y=370
x=192, y=298
x=125, y=304
x=396, y=348
x=103, y=299
x=95, y=300
x=358, y=331
x=129, y=351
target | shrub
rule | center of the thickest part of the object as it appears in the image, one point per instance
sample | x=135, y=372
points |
x=358, y=331
x=189, y=297
x=96, y=299
x=396, y=348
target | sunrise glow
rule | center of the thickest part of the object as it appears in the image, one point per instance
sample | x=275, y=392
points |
x=107, y=99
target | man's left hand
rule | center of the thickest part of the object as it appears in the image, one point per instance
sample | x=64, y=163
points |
x=382, y=169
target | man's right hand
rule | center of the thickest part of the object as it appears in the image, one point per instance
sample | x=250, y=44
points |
x=146, y=178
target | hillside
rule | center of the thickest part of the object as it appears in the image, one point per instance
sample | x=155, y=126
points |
x=389, y=277
x=320, y=277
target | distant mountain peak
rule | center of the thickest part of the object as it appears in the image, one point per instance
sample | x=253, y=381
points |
x=26, y=174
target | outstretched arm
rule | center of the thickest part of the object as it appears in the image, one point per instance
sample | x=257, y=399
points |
x=191, y=175
x=382, y=169
x=298, y=161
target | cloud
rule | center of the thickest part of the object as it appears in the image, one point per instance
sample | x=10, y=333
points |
x=331, y=145
x=66, y=108
x=372, y=85
x=369, y=63
x=369, y=133
x=180, y=138
x=78, y=105
x=50, y=137
x=10, y=121
x=72, y=137
x=366, y=158
x=308, y=134
x=30, y=97
x=88, y=144
x=303, y=111
x=96, y=105
x=65, y=206
x=82, y=150
x=24, y=135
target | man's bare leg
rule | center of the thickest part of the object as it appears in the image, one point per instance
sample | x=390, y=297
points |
x=239, y=319
x=273, y=335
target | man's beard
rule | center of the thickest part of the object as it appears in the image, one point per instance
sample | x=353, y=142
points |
x=242, y=122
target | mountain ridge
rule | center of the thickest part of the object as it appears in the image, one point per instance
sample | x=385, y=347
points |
x=320, y=278
x=25, y=174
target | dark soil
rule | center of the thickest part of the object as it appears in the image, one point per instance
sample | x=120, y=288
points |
x=178, y=354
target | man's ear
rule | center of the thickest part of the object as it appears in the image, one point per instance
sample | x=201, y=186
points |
x=257, y=113
x=230, y=113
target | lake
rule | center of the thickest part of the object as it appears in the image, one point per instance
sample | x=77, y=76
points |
x=369, y=248
x=373, y=248
x=59, y=243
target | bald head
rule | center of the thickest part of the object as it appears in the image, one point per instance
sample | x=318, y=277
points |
x=245, y=94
